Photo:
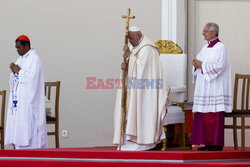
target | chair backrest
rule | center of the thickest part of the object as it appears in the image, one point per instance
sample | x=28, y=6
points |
x=48, y=87
x=3, y=94
x=175, y=69
x=245, y=79
x=177, y=80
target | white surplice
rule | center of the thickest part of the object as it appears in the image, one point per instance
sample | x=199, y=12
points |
x=26, y=123
x=146, y=105
x=213, y=91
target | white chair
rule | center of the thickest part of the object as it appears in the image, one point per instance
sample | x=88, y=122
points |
x=175, y=67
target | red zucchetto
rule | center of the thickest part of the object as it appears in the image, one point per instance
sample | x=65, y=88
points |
x=23, y=38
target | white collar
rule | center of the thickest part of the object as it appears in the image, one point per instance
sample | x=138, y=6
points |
x=27, y=54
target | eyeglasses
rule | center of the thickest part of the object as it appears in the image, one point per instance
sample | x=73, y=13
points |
x=205, y=31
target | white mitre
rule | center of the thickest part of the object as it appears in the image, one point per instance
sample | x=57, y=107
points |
x=134, y=29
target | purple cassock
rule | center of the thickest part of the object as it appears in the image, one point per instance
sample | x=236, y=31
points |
x=208, y=129
x=208, y=126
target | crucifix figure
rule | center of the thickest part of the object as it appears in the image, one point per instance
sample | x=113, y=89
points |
x=127, y=17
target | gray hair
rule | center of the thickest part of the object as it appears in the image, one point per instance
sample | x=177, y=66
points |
x=214, y=27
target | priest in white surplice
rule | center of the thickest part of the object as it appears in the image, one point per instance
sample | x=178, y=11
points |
x=146, y=95
x=213, y=94
x=26, y=119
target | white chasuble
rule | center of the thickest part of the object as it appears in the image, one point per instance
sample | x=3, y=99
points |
x=146, y=97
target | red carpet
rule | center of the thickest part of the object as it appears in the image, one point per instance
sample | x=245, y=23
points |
x=108, y=156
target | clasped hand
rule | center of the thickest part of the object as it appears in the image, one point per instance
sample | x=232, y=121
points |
x=197, y=63
x=15, y=68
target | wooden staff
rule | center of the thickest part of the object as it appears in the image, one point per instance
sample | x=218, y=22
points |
x=124, y=76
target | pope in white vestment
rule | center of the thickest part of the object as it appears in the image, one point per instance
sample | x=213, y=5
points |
x=26, y=119
x=146, y=96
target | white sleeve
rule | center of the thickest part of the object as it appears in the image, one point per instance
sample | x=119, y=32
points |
x=25, y=75
x=211, y=70
x=196, y=71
